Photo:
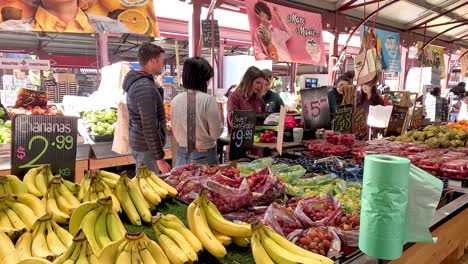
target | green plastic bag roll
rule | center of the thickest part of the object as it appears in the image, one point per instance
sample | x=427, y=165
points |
x=384, y=206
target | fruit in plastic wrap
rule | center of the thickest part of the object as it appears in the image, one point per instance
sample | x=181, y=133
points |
x=319, y=240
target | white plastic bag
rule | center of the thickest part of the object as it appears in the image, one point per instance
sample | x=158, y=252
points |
x=121, y=143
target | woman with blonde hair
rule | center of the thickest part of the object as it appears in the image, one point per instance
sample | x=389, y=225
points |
x=248, y=95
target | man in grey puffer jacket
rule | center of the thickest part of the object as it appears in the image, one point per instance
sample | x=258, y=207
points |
x=146, y=109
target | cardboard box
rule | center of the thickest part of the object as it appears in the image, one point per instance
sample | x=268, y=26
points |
x=65, y=77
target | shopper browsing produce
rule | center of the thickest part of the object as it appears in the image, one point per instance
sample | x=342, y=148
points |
x=248, y=95
x=63, y=16
x=367, y=97
x=273, y=101
x=436, y=107
x=335, y=96
x=146, y=109
x=196, y=75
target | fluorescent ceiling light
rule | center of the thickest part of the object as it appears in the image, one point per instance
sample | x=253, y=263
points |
x=231, y=7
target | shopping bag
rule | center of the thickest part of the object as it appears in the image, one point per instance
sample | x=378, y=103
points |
x=365, y=66
x=121, y=143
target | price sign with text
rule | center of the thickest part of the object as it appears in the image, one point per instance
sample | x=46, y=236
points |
x=242, y=134
x=39, y=140
x=27, y=97
x=343, y=119
x=206, y=33
x=360, y=123
x=397, y=120
x=315, y=108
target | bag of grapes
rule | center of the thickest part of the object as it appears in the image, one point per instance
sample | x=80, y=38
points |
x=181, y=173
x=265, y=188
x=281, y=219
x=317, y=211
x=319, y=240
x=228, y=199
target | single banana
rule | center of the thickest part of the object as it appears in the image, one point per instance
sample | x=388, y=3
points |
x=78, y=215
x=101, y=195
x=163, y=193
x=171, y=190
x=39, y=246
x=174, y=218
x=16, y=184
x=53, y=241
x=127, y=204
x=224, y=239
x=146, y=257
x=32, y=202
x=5, y=223
x=108, y=254
x=7, y=187
x=203, y=232
x=83, y=258
x=217, y=222
x=100, y=229
x=25, y=213
x=23, y=245
x=76, y=253
x=110, y=183
x=241, y=241
x=115, y=228
x=15, y=220
x=258, y=252
x=88, y=226
x=188, y=235
x=2, y=190
x=29, y=181
x=173, y=252
x=72, y=200
x=71, y=186
x=292, y=248
x=8, y=253
x=67, y=254
x=52, y=208
x=135, y=252
x=65, y=237
x=34, y=260
x=115, y=203
x=40, y=182
x=183, y=244
x=126, y=258
x=157, y=252
x=138, y=200
x=63, y=203
x=150, y=195
x=109, y=175
x=84, y=186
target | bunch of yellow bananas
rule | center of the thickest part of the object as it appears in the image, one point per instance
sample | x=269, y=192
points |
x=59, y=201
x=178, y=242
x=46, y=240
x=108, y=178
x=132, y=201
x=132, y=249
x=268, y=247
x=18, y=212
x=212, y=229
x=99, y=222
x=37, y=180
x=99, y=189
x=80, y=251
x=8, y=254
x=152, y=187
x=11, y=184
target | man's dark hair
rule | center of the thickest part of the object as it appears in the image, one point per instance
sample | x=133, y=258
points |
x=148, y=51
x=436, y=91
x=342, y=78
x=268, y=73
x=196, y=74
x=350, y=74
x=462, y=84
x=260, y=7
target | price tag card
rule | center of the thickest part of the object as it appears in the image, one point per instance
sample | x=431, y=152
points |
x=417, y=118
x=206, y=33
x=27, y=97
x=343, y=119
x=41, y=139
x=242, y=134
x=397, y=120
x=360, y=123
x=315, y=108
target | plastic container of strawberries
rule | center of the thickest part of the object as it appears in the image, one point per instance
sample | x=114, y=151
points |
x=457, y=169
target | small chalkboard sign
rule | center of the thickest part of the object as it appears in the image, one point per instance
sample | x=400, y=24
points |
x=242, y=134
x=416, y=122
x=206, y=33
x=360, y=123
x=27, y=97
x=41, y=139
x=397, y=120
x=315, y=108
x=343, y=119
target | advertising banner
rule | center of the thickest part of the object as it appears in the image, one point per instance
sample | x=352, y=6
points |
x=285, y=34
x=25, y=64
x=464, y=63
x=79, y=16
x=388, y=48
x=432, y=56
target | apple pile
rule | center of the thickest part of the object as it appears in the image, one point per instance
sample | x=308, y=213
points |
x=317, y=240
x=268, y=137
x=36, y=110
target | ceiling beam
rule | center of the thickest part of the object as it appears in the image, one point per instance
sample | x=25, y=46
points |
x=346, y=5
x=441, y=12
x=459, y=38
x=443, y=24
x=440, y=34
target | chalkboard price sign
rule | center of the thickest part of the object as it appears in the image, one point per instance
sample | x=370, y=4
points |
x=27, y=97
x=360, y=123
x=242, y=133
x=397, y=120
x=315, y=108
x=39, y=140
x=343, y=119
x=206, y=33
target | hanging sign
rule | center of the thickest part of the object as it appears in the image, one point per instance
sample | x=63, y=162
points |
x=24, y=64
x=343, y=119
x=388, y=48
x=285, y=34
x=41, y=139
x=206, y=33
x=315, y=108
x=102, y=16
x=432, y=56
x=242, y=134
x=397, y=120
